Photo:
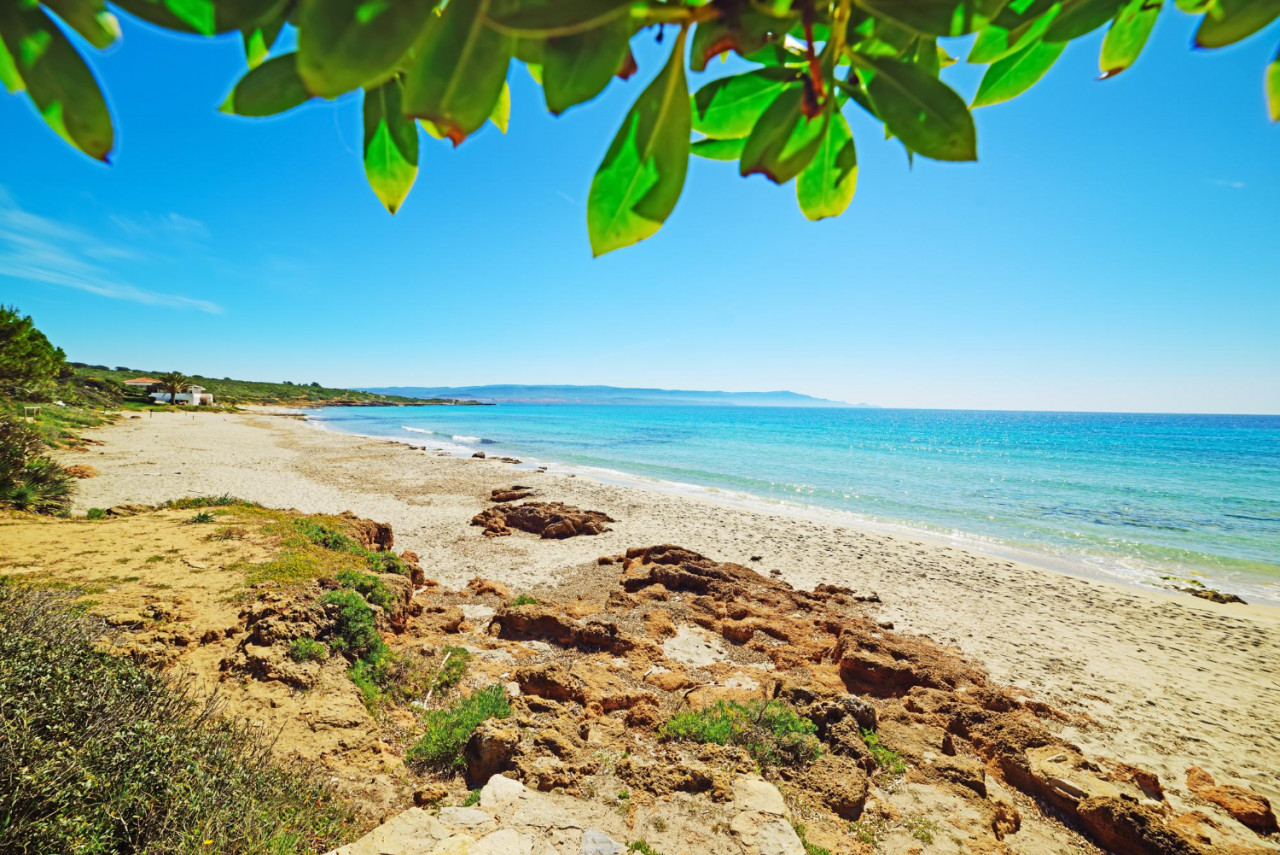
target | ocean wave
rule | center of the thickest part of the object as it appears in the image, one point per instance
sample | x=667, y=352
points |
x=418, y=430
x=461, y=438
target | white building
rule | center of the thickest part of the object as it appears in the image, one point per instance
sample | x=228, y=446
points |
x=195, y=396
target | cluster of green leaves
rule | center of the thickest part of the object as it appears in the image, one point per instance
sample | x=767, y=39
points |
x=887, y=759
x=524, y=600
x=442, y=68
x=772, y=732
x=308, y=650
x=373, y=589
x=96, y=514
x=29, y=479
x=101, y=755
x=226, y=500
x=454, y=663
x=31, y=368
x=329, y=537
x=446, y=731
x=355, y=632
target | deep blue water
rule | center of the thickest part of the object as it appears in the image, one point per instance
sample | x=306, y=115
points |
x=1128, y=495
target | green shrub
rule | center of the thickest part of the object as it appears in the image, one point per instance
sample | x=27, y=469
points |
x=772, y=732
x=642, y=847
x=472, y=799
x=29, y=480
x=373, y=589
x=103, y=756
x=202, y=517
x=447, y=730
x=324, y=535
x=356, y=634
x=453, y=667
x=524, y=600
x=888, y=761
x=308, y=650
x=194, y=502
x=96, y=514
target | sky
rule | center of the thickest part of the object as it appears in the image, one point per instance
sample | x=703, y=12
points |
x=1116, y=247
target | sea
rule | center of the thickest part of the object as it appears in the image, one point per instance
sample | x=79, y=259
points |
x=1132, y=498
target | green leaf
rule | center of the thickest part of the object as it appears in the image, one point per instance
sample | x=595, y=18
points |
x=746, y=31
x=57, y=79
x=347, y=44
x=922, y=111
x=1080, y=17
x=554, y=17
x=501, y=115
x=202, y=16
x=730, y=106
x=1192, y=7
x=825, y=187
x=640, y=180
x=390, y=145
x=89, y=18
x=1228, y=21
x=1273, y=88
x=259, y=38
x=1128, y=35
x=9, y=75
x=996, y=42
x=460, y=70
x=577, y=68
x=928, y=17
x=1015, y=74
x=784, y=139
x=713, y=149
x=271, y=88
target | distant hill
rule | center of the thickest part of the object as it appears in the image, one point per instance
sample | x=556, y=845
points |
x=515, y=394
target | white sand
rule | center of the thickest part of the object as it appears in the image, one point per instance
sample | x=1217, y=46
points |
x=1168, y=681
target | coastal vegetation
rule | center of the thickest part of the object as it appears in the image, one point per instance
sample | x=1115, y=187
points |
x=447, y=730
x=772, y=732
x=802, y=66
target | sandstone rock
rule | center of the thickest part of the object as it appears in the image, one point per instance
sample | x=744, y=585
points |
x=479, y=455
x=412, y=832
x=500, y=792
x=550, y=520
x=841, y=783
x=464, y=817
x=429, y=794
x=372, y=535
x=539, y=621
x=757, y=794
x=504, y=841
x=596, y=842
x=489, y=751
x=1245, y=806
x=480, y=587
x=776, y=837
x=510, y=494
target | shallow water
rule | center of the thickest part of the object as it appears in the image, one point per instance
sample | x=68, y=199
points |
x=1130, y=496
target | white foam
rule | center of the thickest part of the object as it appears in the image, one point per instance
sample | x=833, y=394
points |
x=460, y=438
x=417, y=430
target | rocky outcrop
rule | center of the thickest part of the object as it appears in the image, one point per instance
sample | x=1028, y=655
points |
x=513, y=493
x=372, y=535
x=1245, y=806
x=550, y=520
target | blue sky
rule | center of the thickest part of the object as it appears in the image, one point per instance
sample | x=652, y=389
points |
x=1115, y=248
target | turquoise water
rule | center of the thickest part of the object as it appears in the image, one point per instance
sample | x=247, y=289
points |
x=1131, y=496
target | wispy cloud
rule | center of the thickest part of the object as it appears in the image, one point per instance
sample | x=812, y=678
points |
x=39, y=249
x=1230, y=185
x=163, y=226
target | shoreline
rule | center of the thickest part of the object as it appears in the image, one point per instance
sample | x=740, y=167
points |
x=1163, y=681
x=1078, y=567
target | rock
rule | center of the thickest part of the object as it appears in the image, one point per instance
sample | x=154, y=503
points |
x=126, y=510
x=479, y=455
x=480, y=587
x=550, y=520
x=540, y=621
x=965, y=771
x=81, y=471
x=372, y=535
x=510, y=494
x=466, y=817
x=757, y=794
x=429, y=794
x=412, y=832
x=489, y=751
x=1211, y=595
x=504, y=841
x=596, y=842
x=501, y=791
x=775, y=836
x=841, y=783
x=1250, y=809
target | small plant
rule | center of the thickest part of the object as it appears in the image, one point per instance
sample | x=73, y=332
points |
x=228, y=532
x=202, y=517
x=809, y=848
x=772, y=732
x=192, y=503
x=472, y=799
x=889, y=761
x=453, y=667
x=868, y=830
x=921, y=828
x=357, y=634
x=373, y=589
x=524, y=600
x=447, y=730
x=96, y=514
x=659, y=824
x=308, y=650
x=642, y=847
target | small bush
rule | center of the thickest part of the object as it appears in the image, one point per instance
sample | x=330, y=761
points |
x=888, y=761
x=308, y=650
x=448, y=729
x=772, y=732
x=642, y=847
x=453, y=667
x=195, y=502
x=357, y=635
x=524, y=600
x=30, y=481
x=373, y=589
x=96, y=514
x=102, y=756
x=324, y=535
x=202, y=517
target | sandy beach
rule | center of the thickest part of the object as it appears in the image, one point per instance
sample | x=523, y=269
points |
x=1164, y=682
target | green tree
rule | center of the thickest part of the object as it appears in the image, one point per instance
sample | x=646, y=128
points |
x=30, y=367
x=442, y=68
x=175, y=383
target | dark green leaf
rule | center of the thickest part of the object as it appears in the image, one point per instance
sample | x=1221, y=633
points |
x=9, y=75
x=1080, y=17
x=729, y=107
x=1128, y=35
x=929, y=17
x=57, y=79
x=746, y=31
x=554, y=17
x=346, y=44
x=459, y=71
x=202, y=16
x=1228, y=21
x=271, y=88
x=259, y=38
x=784, y=139
x=719, y=149
x=1272, y=86
x=1015, y=74
x=922, y=111
x=776, y=55
x=640, y=180
x=390, y=145
x=825, y=187
x=89, y=18
x=577, y=68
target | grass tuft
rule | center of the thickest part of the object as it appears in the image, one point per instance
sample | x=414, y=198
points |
x=524, y=600
x=772, y=732
x=447, y=730
x=96, y=514
x=308, y=650
x=889, y=761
